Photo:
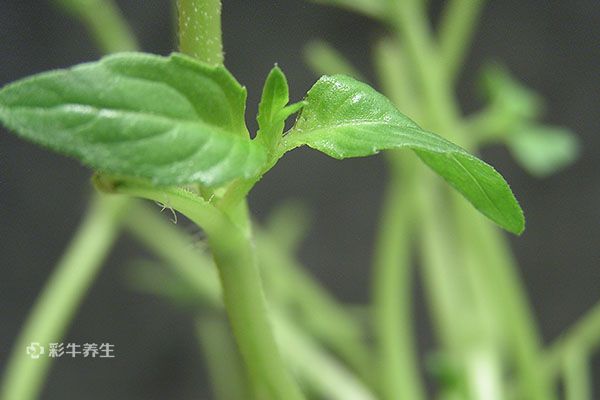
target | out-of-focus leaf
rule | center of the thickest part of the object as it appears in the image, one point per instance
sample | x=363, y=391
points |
x=543, y=150
x=508, y=95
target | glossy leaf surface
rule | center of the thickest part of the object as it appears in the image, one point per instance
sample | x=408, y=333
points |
x=346, y=118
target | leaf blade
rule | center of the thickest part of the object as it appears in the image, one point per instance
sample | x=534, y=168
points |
x=346, y=118
x=168, y=119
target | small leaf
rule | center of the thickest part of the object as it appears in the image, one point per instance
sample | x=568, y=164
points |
x=275, y=97
x=168, y=119
x=346, y=118
x=543, y=150
x=273, y=110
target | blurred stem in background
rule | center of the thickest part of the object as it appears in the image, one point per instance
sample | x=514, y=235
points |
x=192, y=268
x=64, y=291
x=104, y=21
x=57, y=304
x=485, y=327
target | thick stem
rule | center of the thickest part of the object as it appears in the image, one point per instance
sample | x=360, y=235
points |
x=331, y=380
x=245, y=303
x=61, y=297
x=200, y=30
x=233, y=250
x=230, y=236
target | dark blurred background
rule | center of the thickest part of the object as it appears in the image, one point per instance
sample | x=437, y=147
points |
x=552, y=46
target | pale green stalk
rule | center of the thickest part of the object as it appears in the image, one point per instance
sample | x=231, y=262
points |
x=583, y=337
x=316, y=310
x=486, y=344
x=443, y=116
x=438, y=268
x=577, y=375
x=66, y=287
x=228, y=377
x=61, y=296
x=333, y=380
x=397, y=359
x=325, y=375
x=457, y=25
x=234, y=254
x=324, y=59
x=392, y=296
x=103, y=19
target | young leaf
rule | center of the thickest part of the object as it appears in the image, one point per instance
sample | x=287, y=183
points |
x=346, y=118
x=543, y=150
x=273, y=109
x=168, y=119
x=275, y=97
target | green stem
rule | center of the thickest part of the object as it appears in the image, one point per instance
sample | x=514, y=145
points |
x=234, y=254
x=230, y=236
x=512, y=305
x=397, y=359
x=458, y=22
x=486, y=372
x=324, y=59
x=246, y=306
x=578, y=382
x=444, y=117
x=583, y=336
x=61, y=297
x=103, y=19
x=409, y=21
x=175, y=249
x=200, y=30
x=75, y=272
x=439, y=265
x=303, y=354
x=227, y=375
x=325, y=375
x=315, y=309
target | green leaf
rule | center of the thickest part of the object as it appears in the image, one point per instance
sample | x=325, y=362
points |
x=168, y=119
x=273, y=110
x=275, y=97
x=346, y=118
x=543, y=150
